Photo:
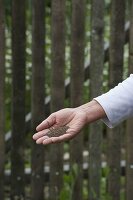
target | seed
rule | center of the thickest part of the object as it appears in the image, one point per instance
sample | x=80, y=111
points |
x=58, y=131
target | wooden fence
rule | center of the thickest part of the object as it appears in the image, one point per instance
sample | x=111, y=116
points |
x=91, y=165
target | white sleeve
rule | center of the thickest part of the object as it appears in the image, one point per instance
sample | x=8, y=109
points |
x=118, y=103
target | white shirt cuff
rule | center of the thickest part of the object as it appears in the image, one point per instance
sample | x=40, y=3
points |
x=118, y=103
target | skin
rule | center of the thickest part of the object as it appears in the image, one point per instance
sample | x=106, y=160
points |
x=75, y=118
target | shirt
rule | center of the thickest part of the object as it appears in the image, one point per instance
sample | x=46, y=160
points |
x=118, y=102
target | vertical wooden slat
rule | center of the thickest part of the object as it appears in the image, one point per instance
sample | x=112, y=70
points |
x=115, y=76
x=129, y=131
x=37, y=98
x=114, y=157
x=57, y=92
x=18, y=99
x=77, y=77
x=2, y=83
x=96, y=78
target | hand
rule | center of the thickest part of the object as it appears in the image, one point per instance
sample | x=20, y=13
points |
x=75, y=118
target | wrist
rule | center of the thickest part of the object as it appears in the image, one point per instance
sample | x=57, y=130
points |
x=93, y=110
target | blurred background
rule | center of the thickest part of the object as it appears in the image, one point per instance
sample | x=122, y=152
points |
x=56, y=54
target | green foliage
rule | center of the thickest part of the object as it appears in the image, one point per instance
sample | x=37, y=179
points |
x=66, y=193
x=104, y=194
x=8, y=12
x=8, y=80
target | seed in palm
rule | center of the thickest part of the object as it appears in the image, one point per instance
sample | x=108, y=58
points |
x=57, y=131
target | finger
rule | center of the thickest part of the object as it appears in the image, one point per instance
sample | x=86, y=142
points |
x=59, y=139
x=40, y=140
x=40, y=134
x=47, y=123
x=47, y=141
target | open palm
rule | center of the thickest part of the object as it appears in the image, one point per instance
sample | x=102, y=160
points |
x=74, y=118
